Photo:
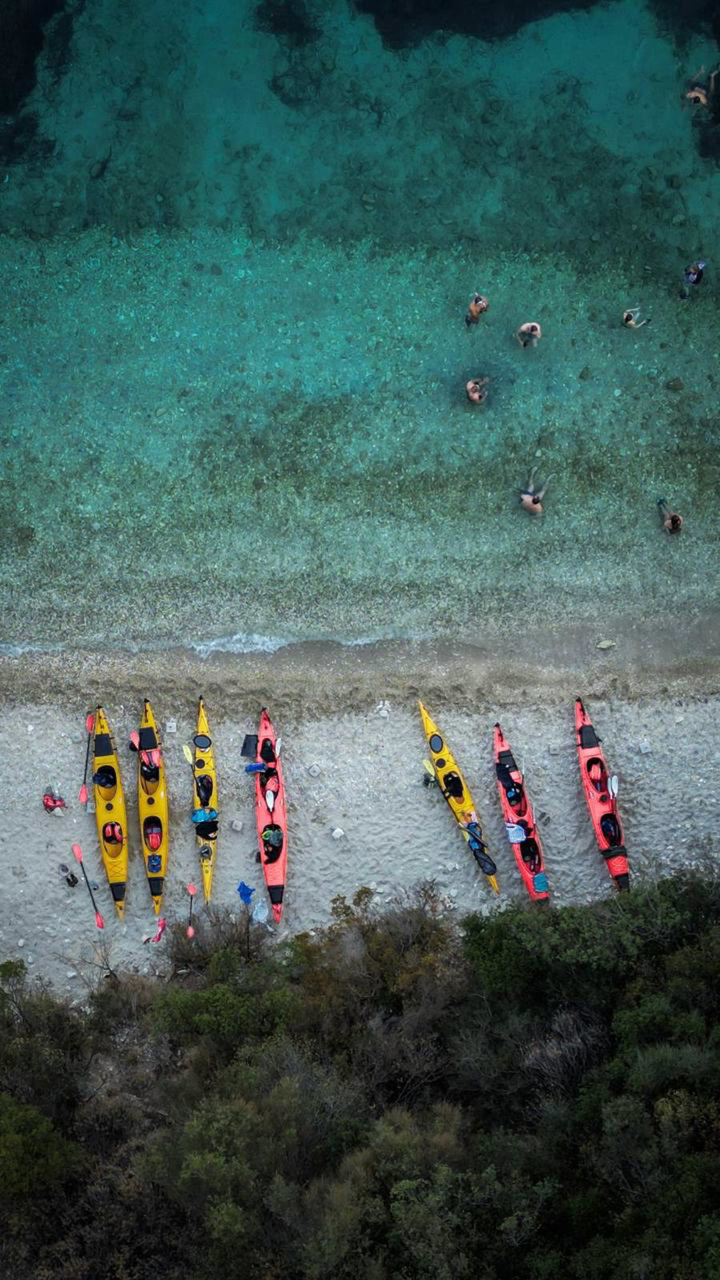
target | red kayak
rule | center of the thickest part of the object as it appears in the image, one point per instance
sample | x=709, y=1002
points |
x=519, y=820
x=271, y=815
x=600, y=793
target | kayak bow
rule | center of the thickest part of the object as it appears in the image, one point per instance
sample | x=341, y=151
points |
x=455, y=790
x=601, y=801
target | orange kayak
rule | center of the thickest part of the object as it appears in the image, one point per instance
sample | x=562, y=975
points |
x=520, y=820
x=601, y=798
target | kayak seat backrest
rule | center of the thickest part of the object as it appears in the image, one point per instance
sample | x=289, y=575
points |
x=453, y=784
x=588, y=737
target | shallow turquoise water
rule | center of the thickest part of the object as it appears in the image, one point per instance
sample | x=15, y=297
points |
x=232, y=368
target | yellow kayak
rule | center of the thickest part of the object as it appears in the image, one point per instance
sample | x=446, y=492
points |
x=110, y=811
x=205, y=796
x=152, y=804
x=445, y=771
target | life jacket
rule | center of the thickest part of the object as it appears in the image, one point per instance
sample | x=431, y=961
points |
x=52, y=802
x=113, y=833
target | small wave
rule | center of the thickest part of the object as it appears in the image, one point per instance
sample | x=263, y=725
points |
x=17, y=650
x=240, y=643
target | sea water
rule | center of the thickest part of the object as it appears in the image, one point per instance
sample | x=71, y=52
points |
x=236, y=260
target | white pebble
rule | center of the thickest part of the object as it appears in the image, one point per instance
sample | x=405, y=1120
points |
x=338, y=833
x=236, y=824
x=21, y=942
x=30, y=728
x=71, y=974
x=644, y=748
x=59, y=813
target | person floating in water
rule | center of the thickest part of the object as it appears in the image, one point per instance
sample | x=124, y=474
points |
x=531, y=498
x=477, y=390
x=477, y=307
x=631, y=318
x=671, y=521
x=705, y=93
x=529, y=334
x=692, y=276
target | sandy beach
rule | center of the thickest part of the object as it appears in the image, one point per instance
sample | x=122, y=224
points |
x=350, y=763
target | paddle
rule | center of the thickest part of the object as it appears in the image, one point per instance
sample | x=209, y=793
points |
x=613, y=786
x=432, y=776
x=89, y=725
x=77, y=852
x=192, y=890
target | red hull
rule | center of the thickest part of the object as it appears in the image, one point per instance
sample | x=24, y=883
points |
x=518, y=811
x=271, y=815
x=601, y=804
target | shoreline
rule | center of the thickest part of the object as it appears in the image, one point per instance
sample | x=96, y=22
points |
x=644, y=659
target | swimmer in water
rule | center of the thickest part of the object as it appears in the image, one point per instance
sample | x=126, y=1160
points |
x=530, y=497
x=692, y=276
x=631, y=318
x=477, y=390
x=529, y=334
x=704, y=93
x=477, y=307
x=671, y=521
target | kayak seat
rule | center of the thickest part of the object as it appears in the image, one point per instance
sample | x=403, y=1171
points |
x=610, y=828
x=152, y=833
x=453, y=784
x=105, y=777
x=204, y=788
x=530, y=854
x=149, y=772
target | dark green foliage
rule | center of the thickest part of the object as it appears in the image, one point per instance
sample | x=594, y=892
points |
x=536, y=1097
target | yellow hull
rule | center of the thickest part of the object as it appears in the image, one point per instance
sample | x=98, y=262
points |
x=204, y=767
x=110, y=810
x=451, y=781
x=153, y=807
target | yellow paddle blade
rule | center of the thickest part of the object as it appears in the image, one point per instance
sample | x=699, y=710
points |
x=429, y=769
x=187, y=753
x=492, y=881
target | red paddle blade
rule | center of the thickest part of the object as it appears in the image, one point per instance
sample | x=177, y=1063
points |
x=190, y=931
x=90, y=721
x=192, y=890
x=82, y=797
x=99, y=920
x=77, y=852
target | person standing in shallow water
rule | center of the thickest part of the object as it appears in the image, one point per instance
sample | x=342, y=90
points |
x=671, y=521
x=531, y=498
x=476, y=390
x=529, y=334
x=477, y=307
x=692, y=276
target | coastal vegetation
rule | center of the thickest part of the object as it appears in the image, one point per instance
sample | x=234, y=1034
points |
x=528, y=1095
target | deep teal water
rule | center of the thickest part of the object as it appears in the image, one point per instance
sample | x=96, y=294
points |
x=232, y=367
